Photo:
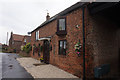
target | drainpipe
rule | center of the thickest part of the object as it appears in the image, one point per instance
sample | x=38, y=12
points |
x=83, y=42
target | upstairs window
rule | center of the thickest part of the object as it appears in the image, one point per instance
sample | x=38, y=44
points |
x=62, y=47
x=37, y=35
x=61, y=27
x=61, y=24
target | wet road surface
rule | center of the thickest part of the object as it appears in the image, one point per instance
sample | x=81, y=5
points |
x=11, y=67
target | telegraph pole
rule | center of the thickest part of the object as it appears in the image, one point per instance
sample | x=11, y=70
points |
x=7, y=39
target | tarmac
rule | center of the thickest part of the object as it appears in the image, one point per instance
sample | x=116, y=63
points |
x=10, y=67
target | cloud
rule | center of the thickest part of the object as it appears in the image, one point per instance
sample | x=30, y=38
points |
x=22, y=16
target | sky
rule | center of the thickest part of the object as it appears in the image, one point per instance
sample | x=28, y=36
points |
x=22, y=16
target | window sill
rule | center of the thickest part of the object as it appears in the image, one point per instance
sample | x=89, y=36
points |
x=36, y=40
x=61, y=33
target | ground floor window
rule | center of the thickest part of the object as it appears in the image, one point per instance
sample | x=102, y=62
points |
x=62, y=47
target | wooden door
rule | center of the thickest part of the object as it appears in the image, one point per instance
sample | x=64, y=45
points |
x=46, y=54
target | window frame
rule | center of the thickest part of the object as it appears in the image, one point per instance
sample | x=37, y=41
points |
x=37, y=35
x=59, y=23
x=61, y=53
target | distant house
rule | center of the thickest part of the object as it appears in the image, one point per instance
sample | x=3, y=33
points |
x=0, y=47
x=85, y=28
x=15, y=42
x=26, y=40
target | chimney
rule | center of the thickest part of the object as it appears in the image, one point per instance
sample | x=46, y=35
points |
x=11, y=33
x=47, y=17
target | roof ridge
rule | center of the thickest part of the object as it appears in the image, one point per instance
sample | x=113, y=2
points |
x=18, y=34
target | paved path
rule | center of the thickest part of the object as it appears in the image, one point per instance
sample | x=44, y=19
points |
x=43, y=71
x=11, y=68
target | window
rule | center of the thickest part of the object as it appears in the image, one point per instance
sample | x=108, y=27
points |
x=61, y=26
x=37, y=35
x=62, y=47
x=25, y=40
x=12, y=42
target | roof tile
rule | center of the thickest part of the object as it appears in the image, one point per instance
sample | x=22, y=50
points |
x=17, y=37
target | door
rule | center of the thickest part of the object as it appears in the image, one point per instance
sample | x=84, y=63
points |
x=46, y=54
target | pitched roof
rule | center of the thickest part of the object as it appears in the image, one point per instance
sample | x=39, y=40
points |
x=28, y=38
x=66, y=11
x=17, y=37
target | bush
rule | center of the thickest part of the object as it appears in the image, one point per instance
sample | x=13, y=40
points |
x=27, y=48
x=40, y=48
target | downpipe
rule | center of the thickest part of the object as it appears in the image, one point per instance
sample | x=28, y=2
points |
x=83, y=23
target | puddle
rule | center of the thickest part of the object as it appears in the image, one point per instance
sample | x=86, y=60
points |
x=10, y=66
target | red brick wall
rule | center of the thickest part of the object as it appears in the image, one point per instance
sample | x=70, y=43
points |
x=71, y=62
x=102, y=41
x=28, y=40
x=17, y=46
x=24, y=54
x=105, y=36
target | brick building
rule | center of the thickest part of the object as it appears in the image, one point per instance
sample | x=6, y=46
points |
x=59, y=34
x=0, y=47
x=15, y=42
x=26, y=39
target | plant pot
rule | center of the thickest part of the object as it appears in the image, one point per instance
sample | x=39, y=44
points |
x=42, y=60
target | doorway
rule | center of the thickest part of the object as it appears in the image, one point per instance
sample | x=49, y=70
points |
x=46, y=53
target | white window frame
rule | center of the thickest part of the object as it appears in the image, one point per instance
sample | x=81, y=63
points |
x=37, y=35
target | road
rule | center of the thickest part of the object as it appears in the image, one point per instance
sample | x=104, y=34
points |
x=10, y=68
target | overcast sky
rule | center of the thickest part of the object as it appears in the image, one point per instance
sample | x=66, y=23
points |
x=22, y=16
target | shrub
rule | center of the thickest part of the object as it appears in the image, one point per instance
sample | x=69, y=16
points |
x=27, y=48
